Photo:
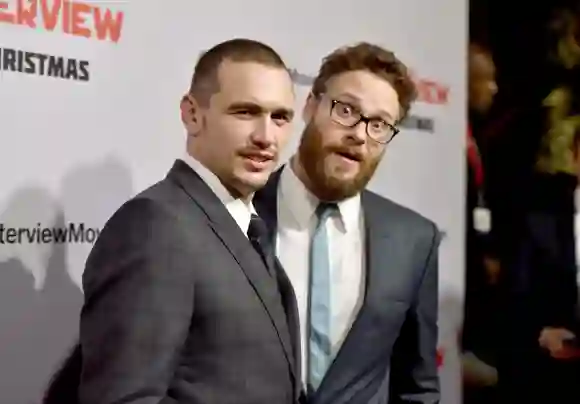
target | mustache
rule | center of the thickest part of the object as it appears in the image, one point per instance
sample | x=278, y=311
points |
x=351, y=153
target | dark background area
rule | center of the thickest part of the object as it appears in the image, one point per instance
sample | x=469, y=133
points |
x=532, y=206
x=516, y=33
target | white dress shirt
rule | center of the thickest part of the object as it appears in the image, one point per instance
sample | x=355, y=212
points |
x=296, y=223
x=240, y=210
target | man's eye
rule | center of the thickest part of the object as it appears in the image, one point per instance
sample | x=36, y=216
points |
x=344, y=110
x=378, y=124
x=281, y=117
x=246, y=113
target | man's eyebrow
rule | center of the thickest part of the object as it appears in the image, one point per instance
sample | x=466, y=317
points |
x=288, y=112
x=257, y=108
x=247, y=105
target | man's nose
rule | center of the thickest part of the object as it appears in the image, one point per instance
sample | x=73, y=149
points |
x=263, y=134
x=358, y=133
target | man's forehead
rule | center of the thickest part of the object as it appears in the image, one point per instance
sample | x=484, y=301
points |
x=233, y=73
x=365, y=89
x=257, y=82
x=266, y=91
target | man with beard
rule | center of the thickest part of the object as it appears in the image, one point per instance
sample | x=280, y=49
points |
x=363, y=268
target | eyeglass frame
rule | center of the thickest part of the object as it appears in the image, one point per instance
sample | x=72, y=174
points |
x=362, y=118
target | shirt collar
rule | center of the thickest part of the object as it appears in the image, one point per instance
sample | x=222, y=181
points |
x=240, y=210
x=302, y=203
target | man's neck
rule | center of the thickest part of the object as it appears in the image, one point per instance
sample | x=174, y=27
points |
x=245, y=197
x=300, y=173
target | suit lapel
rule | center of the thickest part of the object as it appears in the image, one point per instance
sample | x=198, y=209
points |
x=266, y=205
x=362, y=343
x=226, y=228
x=291, y=310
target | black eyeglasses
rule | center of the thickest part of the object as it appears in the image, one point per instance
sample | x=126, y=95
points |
x=376, y=128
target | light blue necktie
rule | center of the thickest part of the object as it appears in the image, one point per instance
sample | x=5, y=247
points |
x=319, y=346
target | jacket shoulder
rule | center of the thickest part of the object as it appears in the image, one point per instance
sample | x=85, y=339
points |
x=403, y=216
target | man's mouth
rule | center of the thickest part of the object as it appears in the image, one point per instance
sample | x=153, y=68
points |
x=259, y=157
x=350, y=155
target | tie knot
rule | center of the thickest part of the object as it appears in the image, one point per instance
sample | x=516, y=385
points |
x=257, y=229
x=325, y=210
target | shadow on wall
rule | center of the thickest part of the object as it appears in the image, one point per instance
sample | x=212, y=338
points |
x=40, y=298
x=29, y=209
x=90, y=195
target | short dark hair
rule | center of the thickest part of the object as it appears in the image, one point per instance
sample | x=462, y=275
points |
x=205, y=77
x=372, y=58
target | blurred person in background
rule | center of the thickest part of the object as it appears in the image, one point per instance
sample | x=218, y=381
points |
x=481, y=268
x=532, y=199
x=560, y=337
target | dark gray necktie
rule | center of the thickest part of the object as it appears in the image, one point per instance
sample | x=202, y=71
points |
x=259, y=236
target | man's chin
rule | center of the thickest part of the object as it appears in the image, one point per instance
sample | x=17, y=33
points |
x=335, y=188
x=342, y=178
x=253, y=181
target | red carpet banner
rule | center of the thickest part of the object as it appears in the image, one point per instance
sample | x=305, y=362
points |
x=89, y=116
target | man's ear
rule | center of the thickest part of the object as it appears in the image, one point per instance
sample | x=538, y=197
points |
x=190, y=114
x=309, y=109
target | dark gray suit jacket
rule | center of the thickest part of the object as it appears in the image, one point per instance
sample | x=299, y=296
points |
x=179, y=308
x=389, y=355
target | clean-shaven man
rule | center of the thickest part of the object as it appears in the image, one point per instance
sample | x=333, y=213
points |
x=182, y=302
x=363, y=268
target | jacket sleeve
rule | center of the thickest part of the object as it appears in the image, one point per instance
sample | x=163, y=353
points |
x=414, y=373
x=139, y=295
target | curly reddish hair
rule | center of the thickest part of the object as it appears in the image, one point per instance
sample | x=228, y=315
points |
x=372, y=58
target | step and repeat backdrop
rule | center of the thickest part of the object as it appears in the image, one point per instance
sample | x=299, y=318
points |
x=89, y=116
